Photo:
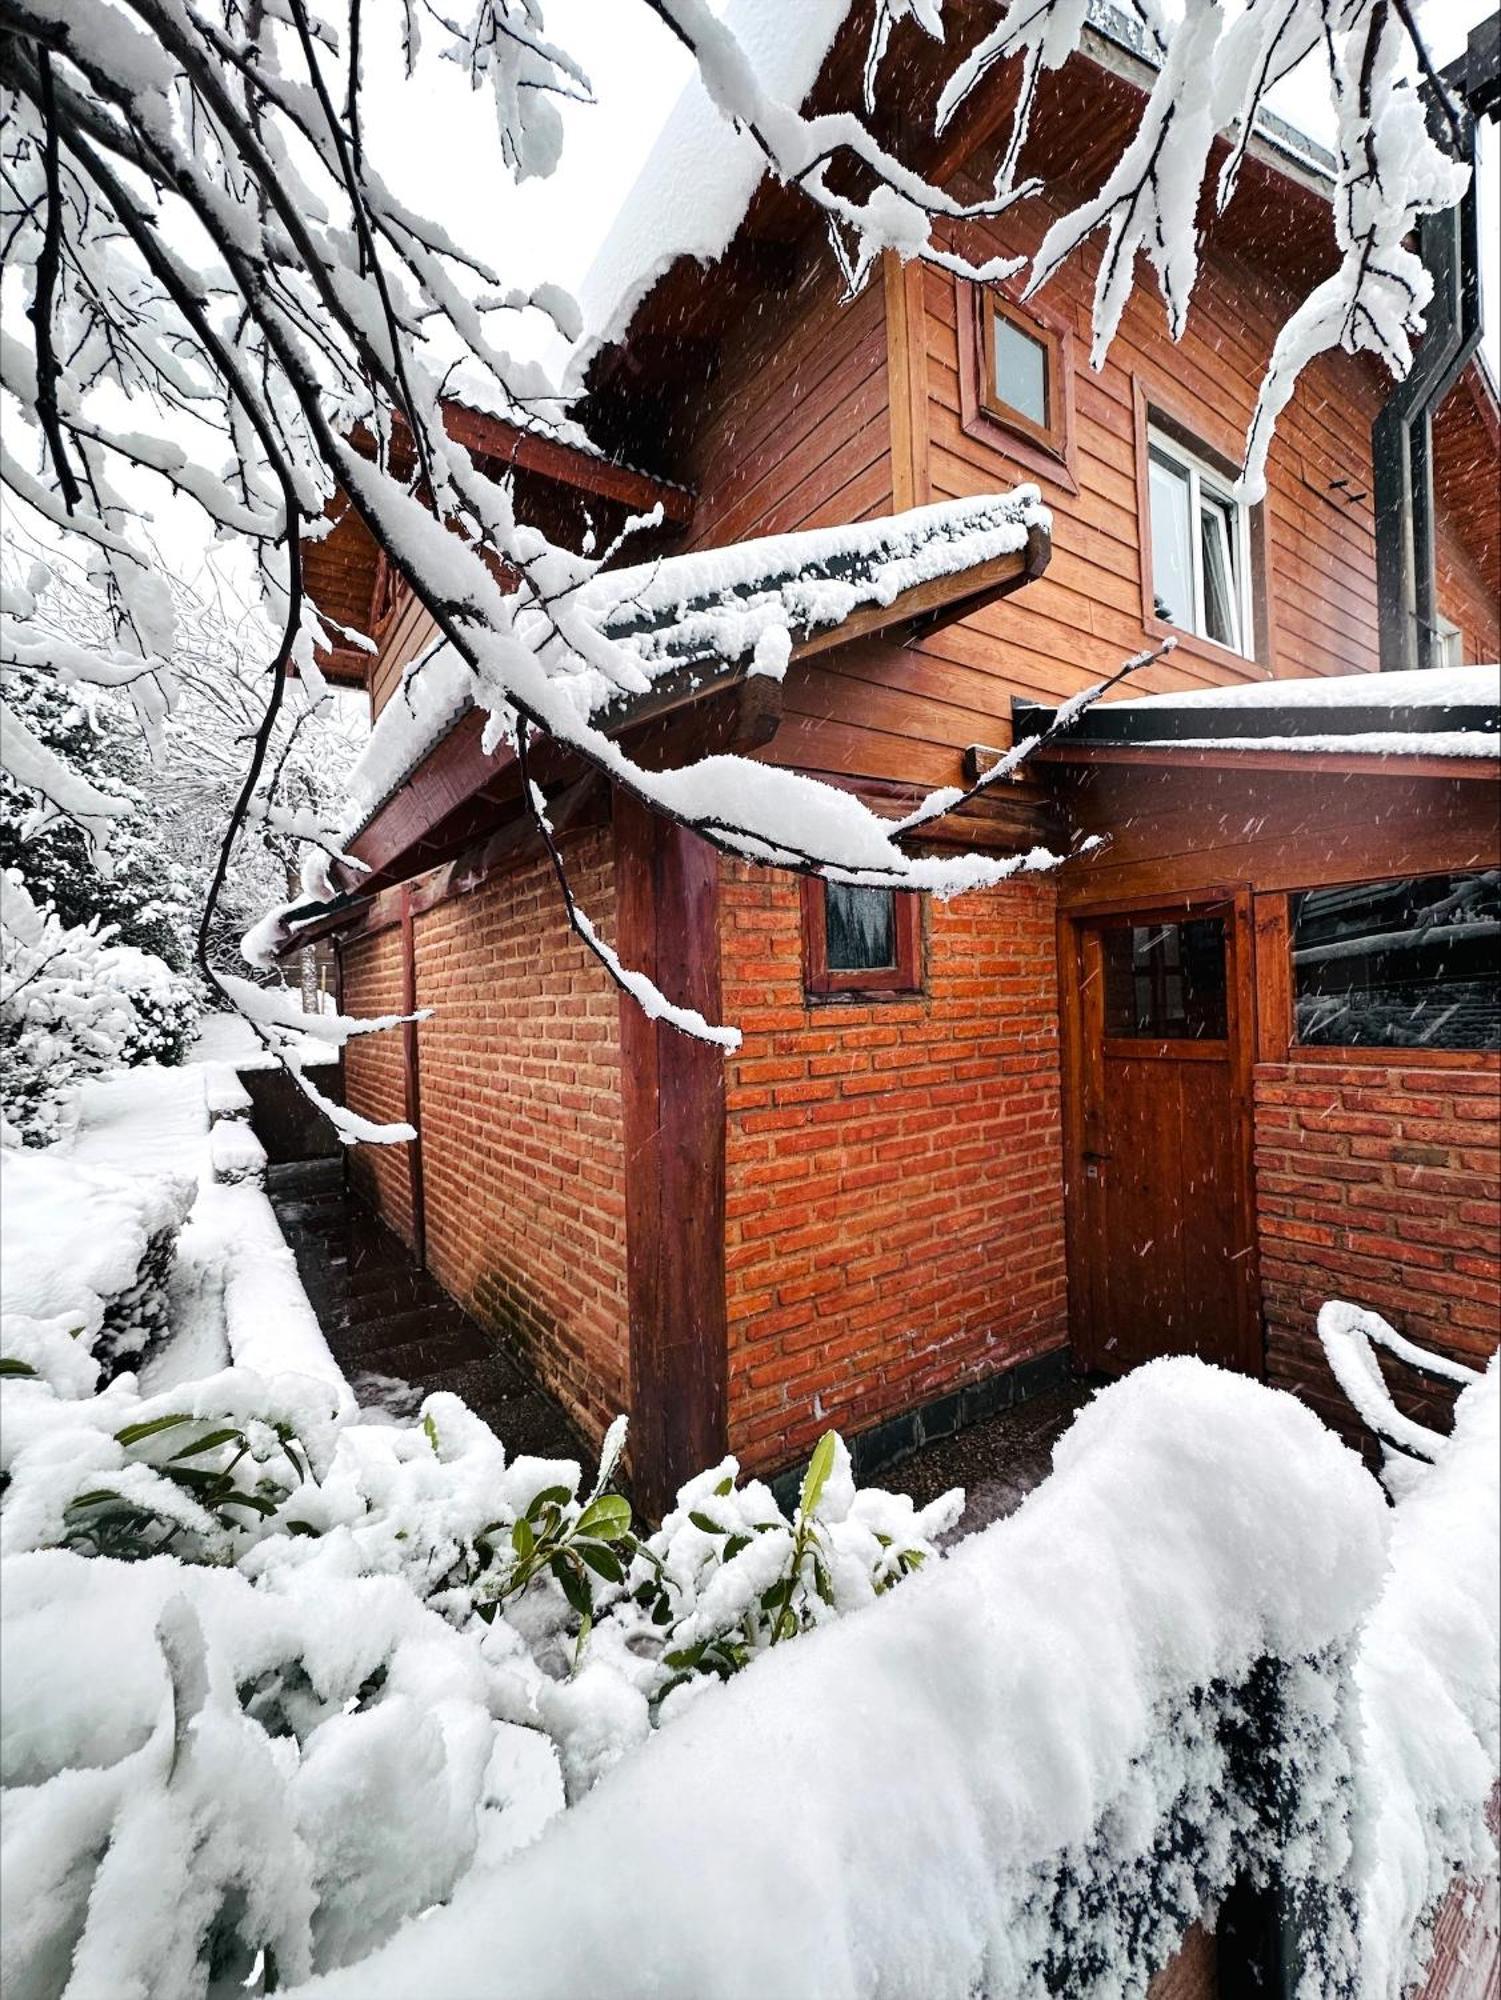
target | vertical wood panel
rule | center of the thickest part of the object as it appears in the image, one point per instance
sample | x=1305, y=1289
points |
x=673, y=1098
x=410, y=1056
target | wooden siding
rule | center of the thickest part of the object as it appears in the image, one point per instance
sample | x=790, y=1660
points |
x=1173, y=830
x=411, y=629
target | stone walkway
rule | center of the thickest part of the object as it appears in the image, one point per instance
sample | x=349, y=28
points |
x=997, y=1461
x=397, y=1334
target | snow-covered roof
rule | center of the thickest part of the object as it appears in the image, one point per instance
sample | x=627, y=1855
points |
x=1423, y=689
x=1429, y=712
x=741, y=608
x=693, y=192
x=691, y=195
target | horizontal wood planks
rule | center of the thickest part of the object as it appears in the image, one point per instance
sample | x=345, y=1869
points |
x=794, y=431
x=411, y=629
x=1171, y=830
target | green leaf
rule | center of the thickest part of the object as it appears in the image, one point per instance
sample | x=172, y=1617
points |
x=606, y=1519
x=209, y=1443
x=661, y=1611
x=430, y=1432
x=685, y=1657
x=604, y=1562
x=726, y=1485
x=251, y=1500
x=575, y=1585
x=523, y=1541
x=709, y=1527
x=550, y=1496
x=734, y=1545
x=302, y=1528
x=133, y=1433
x=816, y=1478
x=11, y=1365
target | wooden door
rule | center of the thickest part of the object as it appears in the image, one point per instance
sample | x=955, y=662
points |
x=1157, y=1040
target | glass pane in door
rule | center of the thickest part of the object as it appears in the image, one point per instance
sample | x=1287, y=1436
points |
x=1166, y=981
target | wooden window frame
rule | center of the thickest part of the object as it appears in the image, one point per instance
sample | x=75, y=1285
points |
x=1047, y=450
x=821, y=981
x=1155, y=411
x=1276, y=1008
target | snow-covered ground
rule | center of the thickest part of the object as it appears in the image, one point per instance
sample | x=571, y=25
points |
x=326, y=1715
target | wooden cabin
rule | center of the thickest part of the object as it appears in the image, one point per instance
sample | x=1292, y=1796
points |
x=1233, y=1060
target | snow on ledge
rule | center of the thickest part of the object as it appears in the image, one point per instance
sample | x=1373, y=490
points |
x=1419, y=689
x=747, y=602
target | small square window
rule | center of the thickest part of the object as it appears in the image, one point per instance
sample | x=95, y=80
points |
x=1201, y=568
x=1019, y=371
x=860, y=940
x=1166, y=981
x=859, y=927
x=1020, y=380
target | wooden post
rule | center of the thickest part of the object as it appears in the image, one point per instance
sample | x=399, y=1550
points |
x=667, y=892
x=412, y=1077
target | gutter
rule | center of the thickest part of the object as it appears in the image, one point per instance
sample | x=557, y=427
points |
x=1402, y=436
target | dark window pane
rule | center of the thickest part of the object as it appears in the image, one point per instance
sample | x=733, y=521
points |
x=860, y=928
x=1166, y=980
x=1414, y=964
x=1021, y=371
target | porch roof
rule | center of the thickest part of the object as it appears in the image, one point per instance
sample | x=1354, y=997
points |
x=691, y=626
x=1448, y=716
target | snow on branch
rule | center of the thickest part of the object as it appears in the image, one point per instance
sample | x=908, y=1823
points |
x=221, y=295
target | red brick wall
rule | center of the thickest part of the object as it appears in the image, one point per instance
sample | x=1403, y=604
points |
x=522, y=1143
x=894, y=1209
x=375, y=1076
x=1380, y=1185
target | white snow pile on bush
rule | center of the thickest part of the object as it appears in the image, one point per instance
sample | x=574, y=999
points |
x=72, y=1005
x=275, y=1680
x=86, y=1254
x=1427, y=1670
x=987, y=1782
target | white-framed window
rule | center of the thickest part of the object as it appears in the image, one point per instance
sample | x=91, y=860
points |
x=1201, y=548
x=1448, y=648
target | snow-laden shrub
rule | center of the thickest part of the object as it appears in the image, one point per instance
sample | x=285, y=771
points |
x=87, y=1256
x=346, y=1661
x=73, y=1004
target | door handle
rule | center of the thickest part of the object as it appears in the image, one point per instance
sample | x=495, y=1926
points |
x=1092, y=1165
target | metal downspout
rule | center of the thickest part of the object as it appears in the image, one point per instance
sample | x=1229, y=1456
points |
x=1402, y=436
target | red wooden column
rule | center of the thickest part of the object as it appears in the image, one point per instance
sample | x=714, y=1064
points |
x=412, y=1076
x=672, y=1087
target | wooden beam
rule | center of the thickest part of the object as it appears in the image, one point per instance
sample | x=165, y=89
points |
x=667, y=901
x=1312, y=763
x=412, y=1078
x=502, y=443
x=907, y=381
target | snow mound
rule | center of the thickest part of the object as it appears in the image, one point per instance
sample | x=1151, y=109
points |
x=946, y=1752
x=1420, y=688
x=85, y=1252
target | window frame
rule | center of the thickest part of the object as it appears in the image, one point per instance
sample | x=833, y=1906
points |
x=1276, y=1010
x=1157, y=417
x=1046, y=450
x=1204, y=481
x=822, y=982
